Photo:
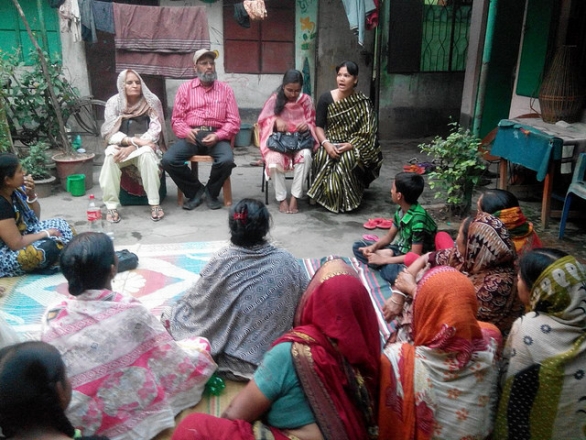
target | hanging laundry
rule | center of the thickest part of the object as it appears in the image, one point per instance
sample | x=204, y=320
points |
x=256, y=9
x=372, y=17
x=241, y=16
x=356, y=11
x=88, y=28
x=104, y=16
x=159, y=40
x=70, y=19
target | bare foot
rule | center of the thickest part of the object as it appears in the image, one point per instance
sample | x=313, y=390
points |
x=293, y=209
x=284, y=207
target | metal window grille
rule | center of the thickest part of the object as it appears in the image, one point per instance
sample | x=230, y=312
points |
x=446, y=25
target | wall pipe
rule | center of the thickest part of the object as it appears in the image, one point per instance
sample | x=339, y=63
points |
x=486, y=56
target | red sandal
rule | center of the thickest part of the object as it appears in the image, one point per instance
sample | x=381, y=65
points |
x=385, y=224
x=373, y=223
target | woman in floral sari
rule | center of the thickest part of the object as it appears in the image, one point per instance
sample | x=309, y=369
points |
x=544, y=394
x=484, y=252
x=443, y=385
x=320, y=381
x=349, y=157
x=129, y=377
x=287, y=110
x=27, y=244
x=505, y=206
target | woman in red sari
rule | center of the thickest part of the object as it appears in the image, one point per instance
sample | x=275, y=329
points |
x=319, y=381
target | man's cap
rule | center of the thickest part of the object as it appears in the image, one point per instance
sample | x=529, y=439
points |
x=201, y=52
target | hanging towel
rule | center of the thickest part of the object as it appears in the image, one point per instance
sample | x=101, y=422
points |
x=88, y=28
x=103, y=16
x=159, y=40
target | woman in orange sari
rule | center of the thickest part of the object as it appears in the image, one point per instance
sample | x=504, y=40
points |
x=444, y=384
x=319, y=381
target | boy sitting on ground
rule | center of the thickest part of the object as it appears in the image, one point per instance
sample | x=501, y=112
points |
x=413, y=227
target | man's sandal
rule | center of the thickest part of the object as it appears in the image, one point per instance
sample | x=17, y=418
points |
x=157, y=213
x=113, y=216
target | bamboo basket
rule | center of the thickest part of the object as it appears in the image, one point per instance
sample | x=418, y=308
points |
x=563, y=90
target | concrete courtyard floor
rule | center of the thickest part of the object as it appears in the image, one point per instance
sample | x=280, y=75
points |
x=312, y=233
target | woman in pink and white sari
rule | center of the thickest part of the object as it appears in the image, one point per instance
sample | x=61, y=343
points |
x=129, y=377
x=287, y=110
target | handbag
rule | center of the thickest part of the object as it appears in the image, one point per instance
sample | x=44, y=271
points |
x=126, y=260
x=289, y=142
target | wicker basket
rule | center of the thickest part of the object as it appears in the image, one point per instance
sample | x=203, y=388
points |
x=563, y=91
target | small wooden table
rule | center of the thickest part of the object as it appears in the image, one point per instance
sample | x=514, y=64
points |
x=536, y=145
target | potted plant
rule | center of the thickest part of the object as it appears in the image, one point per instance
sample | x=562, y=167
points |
x=35, y=163
x=458, y=169
x=51, y=99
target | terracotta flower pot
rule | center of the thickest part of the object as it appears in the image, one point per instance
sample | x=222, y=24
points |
x=75, y=164
x=44, y=187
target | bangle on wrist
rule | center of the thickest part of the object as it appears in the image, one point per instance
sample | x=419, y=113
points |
x=395, y=302
x=29, y=201
x=323, y=142
x=404, y=295
x=133, y=143
x=47, y=232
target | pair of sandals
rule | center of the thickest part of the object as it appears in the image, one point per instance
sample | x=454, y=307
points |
x=157, y=213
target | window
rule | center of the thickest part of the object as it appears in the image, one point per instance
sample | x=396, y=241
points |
x=268, y=46
x=429, y=35
x=44, y=23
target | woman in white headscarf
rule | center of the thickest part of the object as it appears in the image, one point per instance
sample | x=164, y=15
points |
x=134, y=130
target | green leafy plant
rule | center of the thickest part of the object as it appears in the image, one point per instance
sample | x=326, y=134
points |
x=30, y=111
x=459, y=167
x=35, y=162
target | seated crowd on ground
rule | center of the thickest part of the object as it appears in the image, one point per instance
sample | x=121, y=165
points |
x=488, y=328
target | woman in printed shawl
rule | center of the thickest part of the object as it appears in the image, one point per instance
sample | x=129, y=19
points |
x=245, y=297
x=287, y=110
x=484, y=252
x=27, y=244
x=443, y=385
x=505, y=206
x=319, y=381
x=134, y=130
x=544, y=396
x=129, y=377
x=349, y=157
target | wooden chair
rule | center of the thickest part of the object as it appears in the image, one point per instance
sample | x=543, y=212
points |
x=194, y=161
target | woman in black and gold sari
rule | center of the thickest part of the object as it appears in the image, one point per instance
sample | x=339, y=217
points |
x=349, y=157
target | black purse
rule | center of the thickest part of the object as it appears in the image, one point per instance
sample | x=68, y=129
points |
x=126, y=260
x=287, y=143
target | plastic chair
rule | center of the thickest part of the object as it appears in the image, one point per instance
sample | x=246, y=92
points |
x=577, y=187
x=264, y=185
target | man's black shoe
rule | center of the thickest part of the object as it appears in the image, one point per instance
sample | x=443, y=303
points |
x=195, y=201
x=212, y=202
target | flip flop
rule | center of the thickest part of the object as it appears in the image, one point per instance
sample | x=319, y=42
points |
x=414, y=169
x=385, y=224
x=373, y=223
x=370, y=237
x=157, y=213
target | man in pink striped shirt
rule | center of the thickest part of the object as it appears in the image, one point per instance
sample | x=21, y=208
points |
x=205, y=119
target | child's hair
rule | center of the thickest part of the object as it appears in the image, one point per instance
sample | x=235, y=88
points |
x=249, y=222
x=410, y=185
x=29, y=374
x=8, y=165
x=533, y=263
x=494, y=200
x=87, y=260
x=291, y=76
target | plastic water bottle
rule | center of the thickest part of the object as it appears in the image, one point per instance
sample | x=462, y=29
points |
x=76, y=144
x=94, y=215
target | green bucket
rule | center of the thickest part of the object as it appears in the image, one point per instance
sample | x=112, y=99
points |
x=76, y=184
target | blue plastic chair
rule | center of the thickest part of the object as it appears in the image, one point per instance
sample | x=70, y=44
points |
x=577, y=187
